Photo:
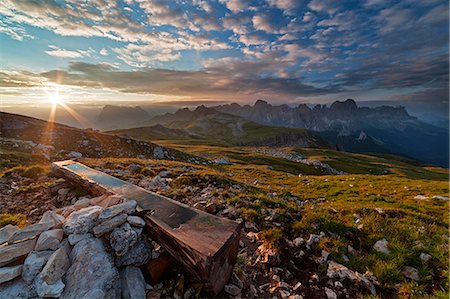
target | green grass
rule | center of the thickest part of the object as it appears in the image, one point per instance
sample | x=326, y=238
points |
x=14, y=219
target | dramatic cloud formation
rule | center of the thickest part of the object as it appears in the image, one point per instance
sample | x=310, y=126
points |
x=282, y=50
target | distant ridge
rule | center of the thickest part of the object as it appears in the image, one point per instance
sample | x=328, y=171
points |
x=112, y=117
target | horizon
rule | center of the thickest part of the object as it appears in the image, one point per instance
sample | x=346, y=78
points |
x=286, y=52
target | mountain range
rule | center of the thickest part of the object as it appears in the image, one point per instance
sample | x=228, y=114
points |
x=343, y=125
x=389, y=128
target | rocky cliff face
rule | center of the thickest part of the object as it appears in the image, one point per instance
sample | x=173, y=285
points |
x=387, y=129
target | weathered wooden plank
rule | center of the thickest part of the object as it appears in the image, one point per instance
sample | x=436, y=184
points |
x=205, y=244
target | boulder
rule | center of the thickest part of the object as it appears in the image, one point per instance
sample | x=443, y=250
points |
x=9, y=273
x=17, y=289
x=105, y=201
x=56, y=266
x=75, y=238
x=82, y=221
x=29, y=232
x=92, y=273
x=49, y=240
x=6, y=232
x=137, y=255
x=133, y=283
x=34, y=263
x=109, y=225
x=127, y=207
x=82, y=203
x=382, y=246
x=136, y=221
x=123, y=238
x=45, y=290
x=53, y=217
x=11, y=252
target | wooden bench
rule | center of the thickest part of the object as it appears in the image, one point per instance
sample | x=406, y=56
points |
x=205, y=244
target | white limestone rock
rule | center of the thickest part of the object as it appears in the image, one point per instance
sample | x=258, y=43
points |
x=75, y=238
x=29, y=232
x=9, y=273
x=53, y=217
x=109, y=225
x=12, y=252
x=6, y=232
x=92, y=273
x=34, y=263
x=136, y=221
x=127, y=207
x=382, y=246
x=133, y=283
x=82, y=221
x=45, y=290
x=137, y=255
x=49, y=240
x=56, y=266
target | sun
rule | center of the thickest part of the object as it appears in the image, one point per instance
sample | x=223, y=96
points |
x=56, y=98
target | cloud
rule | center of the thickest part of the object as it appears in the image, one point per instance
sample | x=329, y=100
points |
x=235, y=5
x=263, y=22
x=327, y=6
x=103, y=52
x=288, y=7
x=63, y=53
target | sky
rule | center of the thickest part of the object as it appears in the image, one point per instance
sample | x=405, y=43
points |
x=284, y=51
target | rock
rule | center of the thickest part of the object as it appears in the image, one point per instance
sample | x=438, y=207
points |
x=46, y=290
x=352, y=250
x=136, y=221
x=425, y=257
x=17, y=289
x=313, y=240
x=236, y=281
x=9, y=273
x=127, y=207
x=82, y=221
x=82, y=203
x=56, y=266
x=51, y=216
x=123, y=238
x=29, y=232
x=211, y=208
x=74, y=155
x=232, y=290
x=158, y=153
x=92, y=273
x=109, y=225
x=66, y=211
x=6, y=232
x=298, y=241
x=340, y=272
x=382, y=246
x=11, y=252
x=34, y=263
x=75, y=238
x=49, y=240
x=133, y=283
x=269, y=255
x=105, y=201
x=440, y=197
x=420, y=197
x=330, y=293
x=137, y=255
x=411, y=273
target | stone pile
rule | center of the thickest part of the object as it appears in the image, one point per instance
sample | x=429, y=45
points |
x=91, y=249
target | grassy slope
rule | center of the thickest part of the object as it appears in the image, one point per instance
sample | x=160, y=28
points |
x=334, y=203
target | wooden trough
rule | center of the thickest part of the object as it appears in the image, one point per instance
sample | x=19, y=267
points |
x=205, y=244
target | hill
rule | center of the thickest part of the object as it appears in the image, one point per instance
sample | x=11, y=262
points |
x=208, y=126
x=52, y=141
